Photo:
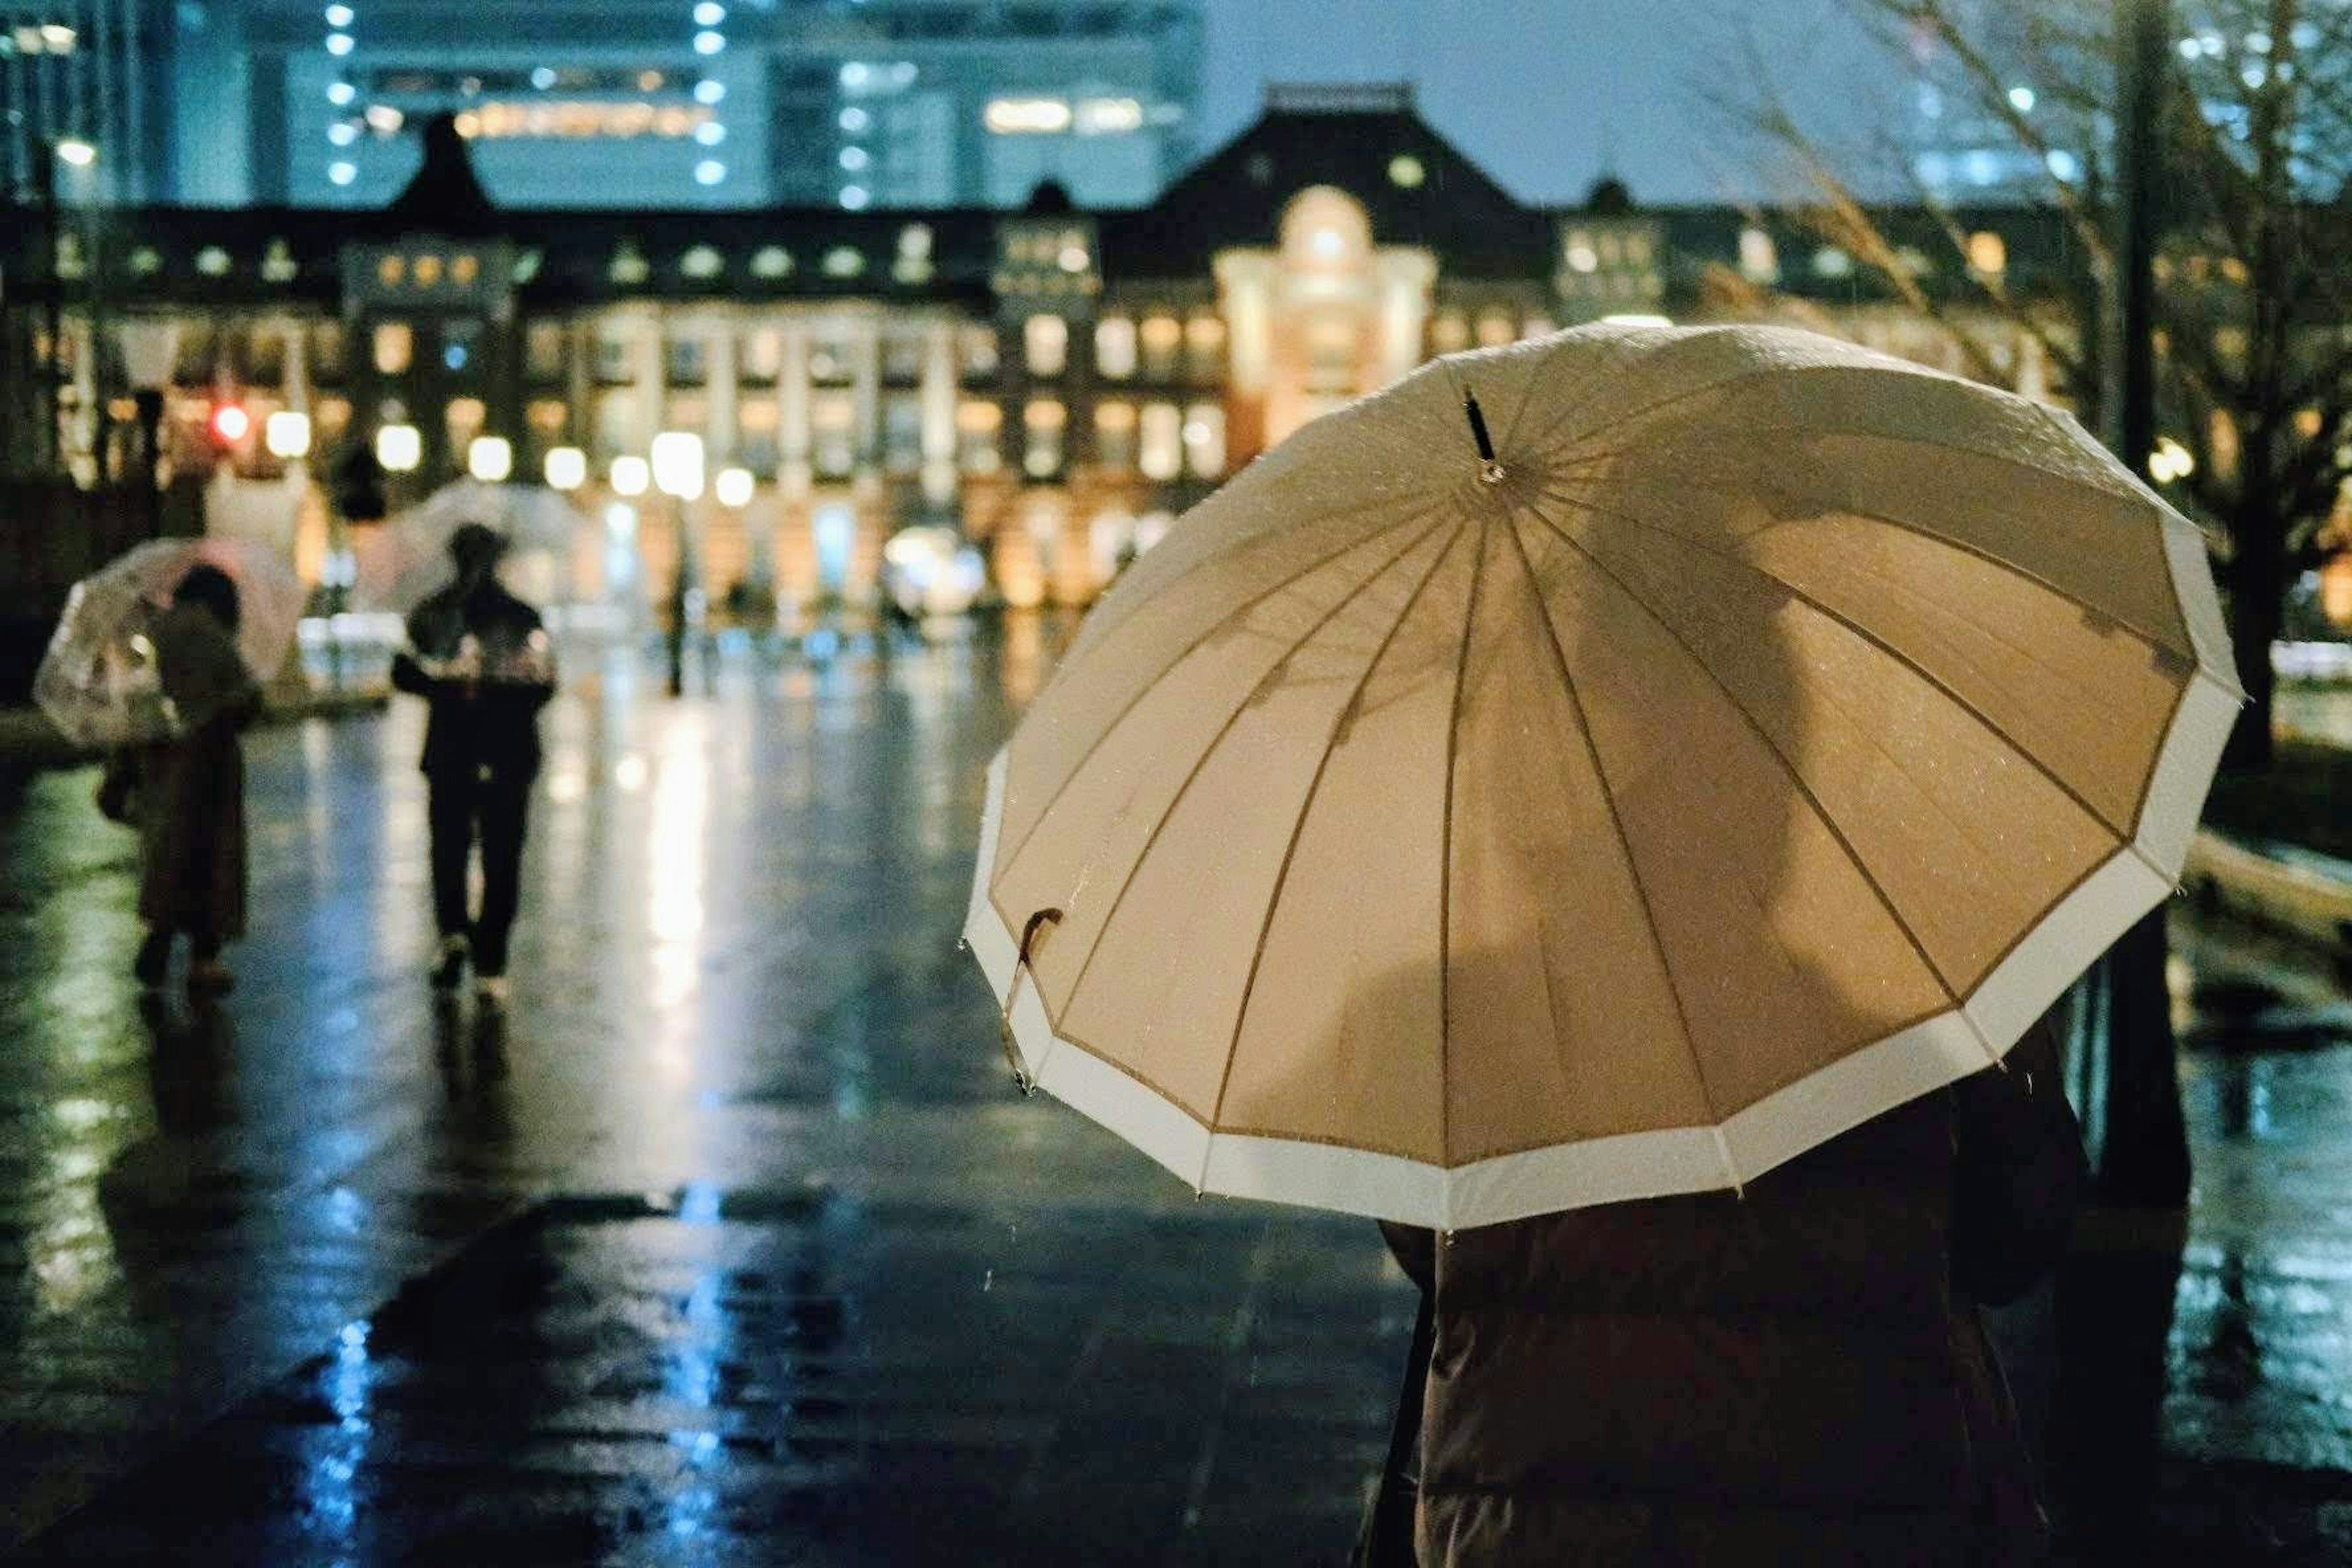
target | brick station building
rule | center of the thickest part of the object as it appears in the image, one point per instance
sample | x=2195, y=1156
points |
x=1058, y=385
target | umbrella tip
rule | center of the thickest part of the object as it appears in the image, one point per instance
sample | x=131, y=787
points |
x=1490, y=471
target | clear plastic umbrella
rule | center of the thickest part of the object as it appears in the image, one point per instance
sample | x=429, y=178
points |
x=406, y=558
x=98, y=682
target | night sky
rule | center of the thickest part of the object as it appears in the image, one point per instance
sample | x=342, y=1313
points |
x=1542, y=93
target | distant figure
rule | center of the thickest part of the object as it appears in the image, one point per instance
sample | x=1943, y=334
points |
x=186, y=795
x=1796, y=1374
x=480, y=657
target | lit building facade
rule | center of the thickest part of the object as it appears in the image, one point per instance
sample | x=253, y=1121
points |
x=93, y=74
x=1057, y=384
x=709, y=103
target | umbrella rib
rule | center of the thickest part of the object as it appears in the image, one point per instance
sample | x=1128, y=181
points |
x=1008, y=857
x=1869, y=637
x=1412, y=508
x=1966, y=547
x=1298, y=829
x=1445, y=873
x=1788, y=767
x=1625, y=843
x=1201, y=761
x=1626, y=416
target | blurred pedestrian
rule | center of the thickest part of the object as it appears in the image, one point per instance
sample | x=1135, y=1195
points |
x=186, y=793
x=1797, y=1374
x=480, y=657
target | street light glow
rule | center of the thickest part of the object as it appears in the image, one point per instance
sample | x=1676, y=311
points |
x=399, y=448
x=630, y=477
x=287, y=434
x=566, y=468
x=678, y=464
x=77, y=152
x=733, y=487
x=490, y=458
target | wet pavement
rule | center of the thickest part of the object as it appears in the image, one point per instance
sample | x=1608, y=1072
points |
x=732, y=1244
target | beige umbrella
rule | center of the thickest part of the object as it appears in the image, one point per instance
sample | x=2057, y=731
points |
x=1763, y=737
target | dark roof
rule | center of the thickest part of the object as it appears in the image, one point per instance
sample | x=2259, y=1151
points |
x=1235, y=197
x=446, y=196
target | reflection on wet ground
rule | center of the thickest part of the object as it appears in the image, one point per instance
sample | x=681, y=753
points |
x=731, y=1243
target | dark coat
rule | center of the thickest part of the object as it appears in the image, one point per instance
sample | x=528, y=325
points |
x=1797, y=1374
x=188, y=799
x=479, y=656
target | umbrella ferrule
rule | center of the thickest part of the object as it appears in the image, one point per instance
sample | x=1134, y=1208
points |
x=1490, y=471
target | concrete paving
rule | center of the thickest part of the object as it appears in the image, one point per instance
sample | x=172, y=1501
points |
x=732, y=1243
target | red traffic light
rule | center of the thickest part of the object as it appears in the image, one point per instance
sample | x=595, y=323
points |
x=230, y=424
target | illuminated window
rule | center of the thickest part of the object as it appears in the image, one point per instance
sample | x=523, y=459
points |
x=395, y=346
x=771, y=261
x=902, y=432
x=1204, y=440
x=547, y=417
x=1405, y=172
x=976, y=351
x=1115, y=347
x=1987, y=254
x=1115, y=435
x=629, y=265
x=1160, y=336
x=702, y=262
x=1580, y=254
x=1494, y=329
x=843, y=261
x=1107, y=116
x=914, y=262
x=213, y=261
x=428, y=271
x=1449, y=333
x=465, y=417
x=1043, y=421
x=1324, y=229
x=1045, y=345
x=543, y=350
x=1161, y=455
x=977, y=424
x=1759, y=261
x=1204, y=346
x=1829, y=261
x=1027, y=116
x=833, y=417
x=760, y=420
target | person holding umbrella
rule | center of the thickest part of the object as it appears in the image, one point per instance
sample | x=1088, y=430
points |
x=1630, y=848
x=186, y=794
x=481, y=658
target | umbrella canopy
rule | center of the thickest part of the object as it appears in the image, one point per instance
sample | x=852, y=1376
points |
x=1765, y=736
x=406, y=557
x=97, y=682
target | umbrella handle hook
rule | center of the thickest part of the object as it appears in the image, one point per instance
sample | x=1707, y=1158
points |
x=1038, y=923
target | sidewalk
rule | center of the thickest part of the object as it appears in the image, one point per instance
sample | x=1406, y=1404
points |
x=29, y=742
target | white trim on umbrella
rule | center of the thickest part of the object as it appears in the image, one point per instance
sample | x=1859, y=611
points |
x=1878, y=1077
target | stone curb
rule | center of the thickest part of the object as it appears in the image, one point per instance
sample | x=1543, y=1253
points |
x=2284, y=888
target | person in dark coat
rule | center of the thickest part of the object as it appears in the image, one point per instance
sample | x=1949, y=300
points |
x=187, y=793
x=1796, y=1374
x=481, y=658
